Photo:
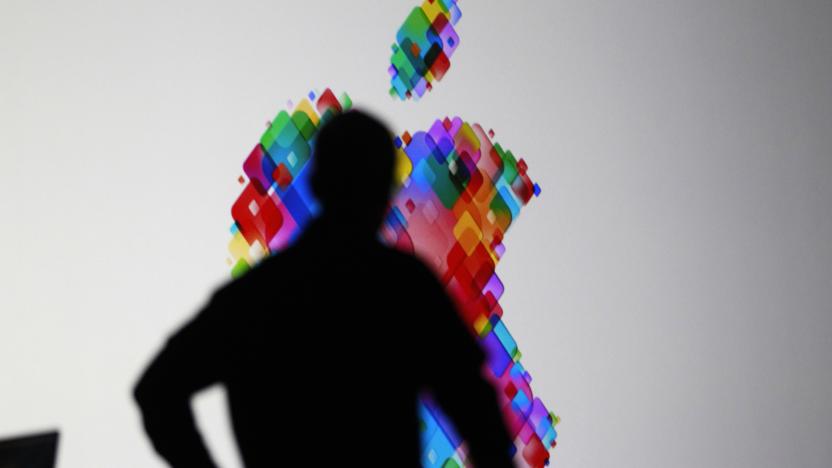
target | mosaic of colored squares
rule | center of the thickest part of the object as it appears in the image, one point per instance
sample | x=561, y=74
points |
x=458, y=192
x=423, y=49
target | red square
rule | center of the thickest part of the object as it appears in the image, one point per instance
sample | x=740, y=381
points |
x=510, y=390
x=282, y=176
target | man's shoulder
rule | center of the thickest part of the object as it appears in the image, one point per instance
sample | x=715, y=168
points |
x=407, y=262
x=263, y=272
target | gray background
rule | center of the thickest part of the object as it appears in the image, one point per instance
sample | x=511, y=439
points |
x=671, y=289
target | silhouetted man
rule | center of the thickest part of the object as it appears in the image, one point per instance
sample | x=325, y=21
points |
x=324, y=347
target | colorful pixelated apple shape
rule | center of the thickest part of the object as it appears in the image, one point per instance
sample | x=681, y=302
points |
x=458, y=192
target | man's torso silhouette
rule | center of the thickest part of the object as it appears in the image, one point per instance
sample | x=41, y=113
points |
x=323, y=349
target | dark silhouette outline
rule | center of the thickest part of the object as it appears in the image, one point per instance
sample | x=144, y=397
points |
x=30, y=451
x=323, y=348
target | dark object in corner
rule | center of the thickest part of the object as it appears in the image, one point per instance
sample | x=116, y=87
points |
x=31, y=451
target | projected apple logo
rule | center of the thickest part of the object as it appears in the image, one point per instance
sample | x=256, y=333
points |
x=458, y=193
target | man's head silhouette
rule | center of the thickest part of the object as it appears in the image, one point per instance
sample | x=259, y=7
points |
x=352, y=174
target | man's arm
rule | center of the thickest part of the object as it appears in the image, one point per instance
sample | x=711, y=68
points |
x=189, y=362
x=460, y=387
x=471, y=403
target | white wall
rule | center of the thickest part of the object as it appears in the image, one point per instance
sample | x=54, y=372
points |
x=671, y=289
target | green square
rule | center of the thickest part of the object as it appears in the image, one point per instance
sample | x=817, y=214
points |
x=304, y=124
x=240, y=268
